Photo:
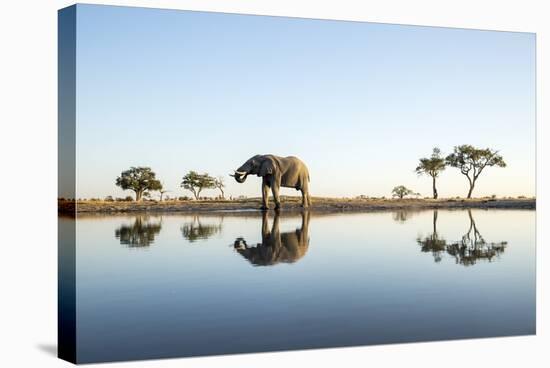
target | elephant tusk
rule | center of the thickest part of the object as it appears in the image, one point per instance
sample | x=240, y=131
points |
x=240, y=173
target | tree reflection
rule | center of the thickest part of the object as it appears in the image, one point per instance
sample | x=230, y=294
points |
x=433, y=243
x=401, y=216
x=467, y=251
x=141, y=234
x=276, y=247
x=472, y=247
x=195, y=230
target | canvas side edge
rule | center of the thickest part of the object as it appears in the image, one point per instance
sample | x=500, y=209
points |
x=66, y=299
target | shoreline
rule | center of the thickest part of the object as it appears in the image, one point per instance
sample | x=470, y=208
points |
x=292, y=205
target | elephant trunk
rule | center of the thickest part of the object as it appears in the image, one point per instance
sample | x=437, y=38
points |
x=240, y=176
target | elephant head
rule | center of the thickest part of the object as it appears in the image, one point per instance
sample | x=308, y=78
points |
x=260, y=165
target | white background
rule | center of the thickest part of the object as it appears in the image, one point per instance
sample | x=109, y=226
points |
x=28, y=181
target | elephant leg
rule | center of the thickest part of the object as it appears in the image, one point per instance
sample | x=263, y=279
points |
x=265, y=194
x=304, y=198
x=304, y=188
x=275, y=190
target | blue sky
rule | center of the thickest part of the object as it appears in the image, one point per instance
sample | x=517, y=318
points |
x=358, y=102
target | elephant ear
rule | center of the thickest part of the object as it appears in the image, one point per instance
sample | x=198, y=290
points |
x=267, y=167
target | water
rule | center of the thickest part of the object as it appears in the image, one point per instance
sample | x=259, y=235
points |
x=151, y=286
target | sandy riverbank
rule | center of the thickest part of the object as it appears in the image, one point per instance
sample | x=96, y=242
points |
x=292, y=204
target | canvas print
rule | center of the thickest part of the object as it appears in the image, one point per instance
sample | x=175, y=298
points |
x=240, y=183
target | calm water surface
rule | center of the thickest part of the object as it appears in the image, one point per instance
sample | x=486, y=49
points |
x=179, y=285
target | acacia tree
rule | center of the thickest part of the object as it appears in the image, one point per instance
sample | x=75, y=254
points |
x=162, y=192
x=196, y=182
x=471, y=162
x=219, y=183
x=401, y=191
x=139, y=179
x=432, y=166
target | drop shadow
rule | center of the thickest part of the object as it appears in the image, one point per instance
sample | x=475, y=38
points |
x=50, y=349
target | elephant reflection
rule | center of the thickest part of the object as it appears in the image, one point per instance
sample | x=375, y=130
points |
x=141, y=234
x=467, y=251
x=195, y=230
x=276, y=247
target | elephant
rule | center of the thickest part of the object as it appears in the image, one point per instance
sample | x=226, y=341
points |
x=276, y=247
x=276, y=172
